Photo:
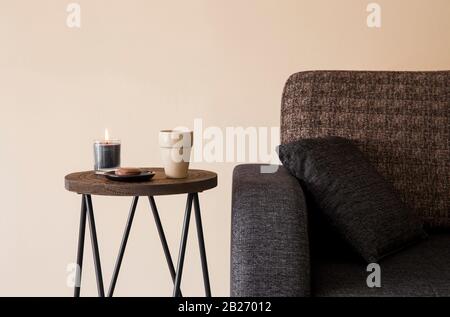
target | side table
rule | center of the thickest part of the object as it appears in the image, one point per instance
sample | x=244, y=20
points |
x=89, y=183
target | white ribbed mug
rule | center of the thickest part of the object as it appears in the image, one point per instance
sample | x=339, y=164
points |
x=175, y=146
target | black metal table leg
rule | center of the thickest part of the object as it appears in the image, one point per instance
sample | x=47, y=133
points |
x=201, y=244
x=87, y=214
x=80, y=251
x=123, y=245
x=98, y=268
x=184, y=236
x=163, y=239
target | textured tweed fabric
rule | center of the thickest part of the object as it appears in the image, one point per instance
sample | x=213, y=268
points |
x=401, y=121
x=421, y=270
x=354, y=198
x=269, y=240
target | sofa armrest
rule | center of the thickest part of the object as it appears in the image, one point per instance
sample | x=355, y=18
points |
x=269, y=239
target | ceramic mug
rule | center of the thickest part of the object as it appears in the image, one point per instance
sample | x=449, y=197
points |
x=175, y=146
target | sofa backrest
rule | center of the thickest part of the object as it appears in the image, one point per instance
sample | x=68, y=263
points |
x=401, y=120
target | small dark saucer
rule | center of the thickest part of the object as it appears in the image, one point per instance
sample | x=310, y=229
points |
x=144, y=176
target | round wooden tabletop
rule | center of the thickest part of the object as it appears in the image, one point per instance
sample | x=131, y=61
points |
x=93, y=184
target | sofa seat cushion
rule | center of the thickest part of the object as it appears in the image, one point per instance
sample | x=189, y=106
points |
x=421, y=270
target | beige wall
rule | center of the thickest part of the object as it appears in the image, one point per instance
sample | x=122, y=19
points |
x=140, y=66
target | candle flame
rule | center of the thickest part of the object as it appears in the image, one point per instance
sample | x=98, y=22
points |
x=106, y=135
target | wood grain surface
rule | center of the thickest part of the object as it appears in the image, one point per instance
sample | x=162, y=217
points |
x=93, y=184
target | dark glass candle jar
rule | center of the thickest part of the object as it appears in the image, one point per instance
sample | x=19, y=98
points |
x=106, y=156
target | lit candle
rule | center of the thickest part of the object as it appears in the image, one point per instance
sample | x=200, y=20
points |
x=106, y=154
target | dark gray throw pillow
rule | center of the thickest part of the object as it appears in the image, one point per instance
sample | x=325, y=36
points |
x=352, y=196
